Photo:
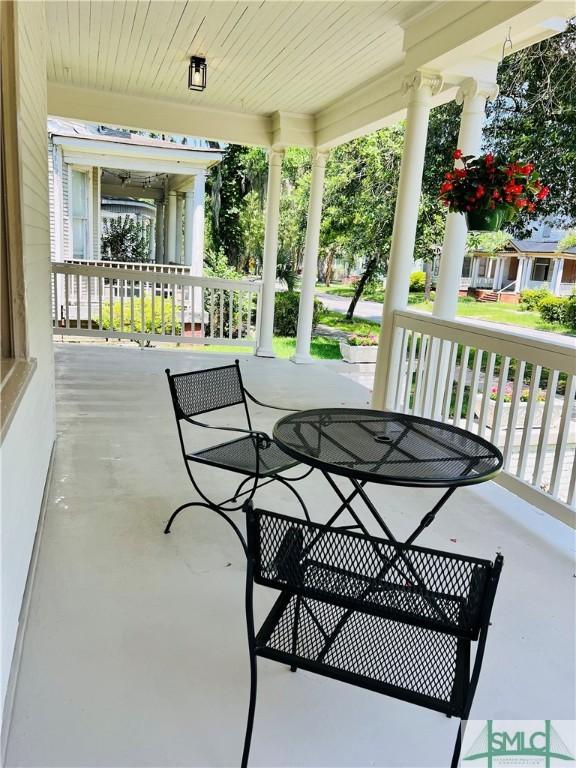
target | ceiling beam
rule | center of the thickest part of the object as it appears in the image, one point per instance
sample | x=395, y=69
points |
x=152, y=114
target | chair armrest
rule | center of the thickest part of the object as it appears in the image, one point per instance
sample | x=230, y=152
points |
x=267, y=405
x=263, y=440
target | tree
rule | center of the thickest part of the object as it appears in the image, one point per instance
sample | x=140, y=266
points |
x=534, y=118
x=124, y=239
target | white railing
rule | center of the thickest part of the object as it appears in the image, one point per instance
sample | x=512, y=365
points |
x=518, y=391
x=483, y=282
x=143, y=305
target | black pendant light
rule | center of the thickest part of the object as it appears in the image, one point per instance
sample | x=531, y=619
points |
x=197, y=73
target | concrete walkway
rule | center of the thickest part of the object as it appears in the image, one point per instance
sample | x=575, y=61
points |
x=372, y=310
x=135, y=649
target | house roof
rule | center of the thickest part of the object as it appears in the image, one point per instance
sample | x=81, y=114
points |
x=57, y=127
x=536, y=247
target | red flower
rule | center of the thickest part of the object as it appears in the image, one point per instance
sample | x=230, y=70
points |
x=460, y=173
x=457, y=154
x=489, y=158
x=448, y=175
x=446, y=187
x=543, y=193
x=521, y=202
x=531, y=207
x=527, y=169
x=480, y=190
x=496, y=195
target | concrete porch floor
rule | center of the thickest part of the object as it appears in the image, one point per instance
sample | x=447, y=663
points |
x=135, y=650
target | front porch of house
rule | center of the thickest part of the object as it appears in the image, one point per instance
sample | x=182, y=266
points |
x=135, y=652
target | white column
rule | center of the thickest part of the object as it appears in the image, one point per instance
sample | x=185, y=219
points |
x=159, y=233
x=198, y=224
x=270, y=254
x=420, y=89
x=310, y=265
x=556, y=280
x=473, y=96
x=152, y=240
x=179, y=236
x=170, y=255
x=520, y=273
x=188, y=225
x=496, y=283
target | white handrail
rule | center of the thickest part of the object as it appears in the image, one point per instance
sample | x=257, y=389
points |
x=141, y=306
x=516, y=389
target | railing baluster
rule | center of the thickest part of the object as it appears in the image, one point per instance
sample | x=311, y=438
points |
x=571, y=498
x=486, y=392
x=132, y=289
x=450, y=382
x=55, y=279
x=513, y=413
x=78, y=319
x=100, y=287
x=476, y=368
x=240, y=314
x=408, y=403
x=529, y=420
x=430, y=377
x=89, y=303
x=121, y=284
x=142, y=312
x=162, y=286
x=67, y=301
x=419, y=374
x=498, y=411
x=542, y=449
x=230, y=312
x=401, y=369
x=462, y=376
x=564, y=429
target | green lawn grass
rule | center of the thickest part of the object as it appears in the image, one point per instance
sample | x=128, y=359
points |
x=496, y=312
x=321, y=348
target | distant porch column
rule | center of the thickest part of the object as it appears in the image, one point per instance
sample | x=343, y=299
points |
x=179, y=233
x=198, y=215
x=152, y=238
x=521, y=273
x=159, y=233
x=310, y=266
x=473, y=96
x=170, y=255
x=270, y=255
x=420, y=89
x=556, y=280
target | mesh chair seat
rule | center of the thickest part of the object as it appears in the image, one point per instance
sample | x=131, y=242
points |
x=240, y=456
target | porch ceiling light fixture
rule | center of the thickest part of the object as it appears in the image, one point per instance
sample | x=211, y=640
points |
x=197, y=73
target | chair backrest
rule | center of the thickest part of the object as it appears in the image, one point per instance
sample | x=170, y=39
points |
x=207, y=390
x=437, y=590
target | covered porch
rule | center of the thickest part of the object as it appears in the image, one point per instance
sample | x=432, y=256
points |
x=135, y=651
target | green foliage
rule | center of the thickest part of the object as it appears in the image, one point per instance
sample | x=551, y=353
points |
x=487, y=242
x=217, y=304
x=568, y=241
x=286, y=313
x=553, y=309
x=530, y=298
x=124, y=239
x=570, y=312
x=534, y=118
x=357, y=340
x=417, y=282
x=285, y=271
x=111, y=317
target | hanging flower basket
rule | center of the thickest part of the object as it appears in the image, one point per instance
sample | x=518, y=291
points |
x=491, y=192
x=485, y=220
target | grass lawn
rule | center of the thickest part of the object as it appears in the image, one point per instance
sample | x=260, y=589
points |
x=284, y=346
x=356, y=325
x=496, y=312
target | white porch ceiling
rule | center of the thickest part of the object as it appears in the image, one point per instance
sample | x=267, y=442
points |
x=305, y=73
x=263, y=57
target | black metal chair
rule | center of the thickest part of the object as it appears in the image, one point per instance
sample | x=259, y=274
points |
x=394, y=618
x=254, y=455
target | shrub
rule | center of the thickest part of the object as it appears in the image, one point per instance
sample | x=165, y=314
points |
x=151, y=325
x=286, y=313
x=531, y=297
x=217, y=302
x=553, y=309
x=417, y=282
x=570, y=313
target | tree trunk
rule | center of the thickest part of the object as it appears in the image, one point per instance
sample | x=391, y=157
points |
x=361, y=284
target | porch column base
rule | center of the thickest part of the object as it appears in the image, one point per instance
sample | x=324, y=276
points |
x=264, y=352
x=302, y=359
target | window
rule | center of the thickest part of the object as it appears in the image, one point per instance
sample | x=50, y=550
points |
x=80, y=216
x=466, y=265
x=15, y=367
x=482, y=264
x=540, y=270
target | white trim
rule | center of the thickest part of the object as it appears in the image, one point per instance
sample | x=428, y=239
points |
x=8, y=708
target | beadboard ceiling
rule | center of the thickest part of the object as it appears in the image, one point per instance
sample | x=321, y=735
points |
x=262, y=57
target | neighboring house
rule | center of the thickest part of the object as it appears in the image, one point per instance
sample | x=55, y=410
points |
x=534, y=262
x=98, y=171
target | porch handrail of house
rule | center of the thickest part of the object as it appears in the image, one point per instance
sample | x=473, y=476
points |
x=146, y=306
x=516, y=390
x=138, y=266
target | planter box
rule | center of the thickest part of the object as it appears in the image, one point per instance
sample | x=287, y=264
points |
x=358, y=354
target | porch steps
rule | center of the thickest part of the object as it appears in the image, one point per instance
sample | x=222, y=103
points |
x=490, y=296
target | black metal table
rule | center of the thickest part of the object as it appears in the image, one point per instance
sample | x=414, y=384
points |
x=387, y=448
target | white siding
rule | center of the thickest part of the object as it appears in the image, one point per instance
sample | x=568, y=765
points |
x=96, y=213
x=66, y=225
x=27, y=445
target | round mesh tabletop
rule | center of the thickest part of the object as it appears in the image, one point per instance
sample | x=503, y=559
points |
x=384, y=447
